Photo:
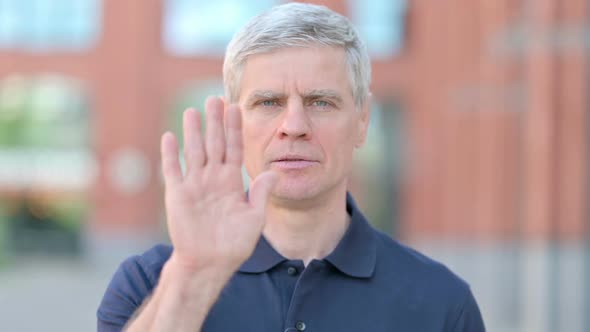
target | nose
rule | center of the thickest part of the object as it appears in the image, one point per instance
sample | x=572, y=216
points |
x=295, y=122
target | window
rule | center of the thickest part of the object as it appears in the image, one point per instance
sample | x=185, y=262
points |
x=47, y=25
x=193, y=95
x=203, y=27
x=380, y=24
x=47, y=163
x=378, y=167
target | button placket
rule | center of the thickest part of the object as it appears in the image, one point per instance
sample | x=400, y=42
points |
x=308, y=278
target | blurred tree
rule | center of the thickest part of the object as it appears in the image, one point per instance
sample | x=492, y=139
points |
x=44, y=153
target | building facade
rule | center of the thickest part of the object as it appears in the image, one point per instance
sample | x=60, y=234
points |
x=483, y=119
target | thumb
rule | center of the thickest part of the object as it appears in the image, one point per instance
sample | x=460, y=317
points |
x=260, y=189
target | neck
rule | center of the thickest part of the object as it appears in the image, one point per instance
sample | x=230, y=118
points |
x=307, y=231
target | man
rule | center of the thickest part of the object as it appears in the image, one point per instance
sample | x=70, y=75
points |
x=295, y=253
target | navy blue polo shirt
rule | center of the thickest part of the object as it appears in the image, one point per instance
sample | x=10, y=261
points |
x=369, y=283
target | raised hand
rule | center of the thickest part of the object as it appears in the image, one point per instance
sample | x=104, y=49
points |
x=210, y=221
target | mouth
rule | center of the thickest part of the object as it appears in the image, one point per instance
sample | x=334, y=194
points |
x=293, y=162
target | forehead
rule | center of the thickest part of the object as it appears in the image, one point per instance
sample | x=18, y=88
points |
x=298, y=69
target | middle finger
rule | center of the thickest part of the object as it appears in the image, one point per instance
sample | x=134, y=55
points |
x=215, y=136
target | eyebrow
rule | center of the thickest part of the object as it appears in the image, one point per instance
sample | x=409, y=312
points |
x=312, y=94
x=263, y=94
x=323, y=93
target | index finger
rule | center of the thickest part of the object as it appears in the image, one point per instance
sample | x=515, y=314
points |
x=170, y=164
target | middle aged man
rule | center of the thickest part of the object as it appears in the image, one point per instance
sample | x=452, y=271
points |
x=300, y=77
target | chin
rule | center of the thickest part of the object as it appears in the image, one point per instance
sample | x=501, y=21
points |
x=295, y=191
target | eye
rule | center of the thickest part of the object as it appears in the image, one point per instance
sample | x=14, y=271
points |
x=268, y=103
x=321, y=103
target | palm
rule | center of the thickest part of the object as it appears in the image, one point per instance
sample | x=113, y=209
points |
x=210, y=222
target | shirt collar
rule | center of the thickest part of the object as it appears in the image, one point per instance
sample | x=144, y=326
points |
x=264, y=258
x=355, y=255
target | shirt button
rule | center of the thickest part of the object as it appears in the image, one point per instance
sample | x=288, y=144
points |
x=292, y=271
x=300, y=326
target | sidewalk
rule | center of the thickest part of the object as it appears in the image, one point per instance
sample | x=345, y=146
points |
x=51, y=294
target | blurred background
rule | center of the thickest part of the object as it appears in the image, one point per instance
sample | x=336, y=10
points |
x=478, y=152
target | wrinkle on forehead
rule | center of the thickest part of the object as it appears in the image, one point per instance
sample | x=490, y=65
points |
x=315, y=70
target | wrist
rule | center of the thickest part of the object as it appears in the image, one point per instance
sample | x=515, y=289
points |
x=187, y=291
x=182, y=269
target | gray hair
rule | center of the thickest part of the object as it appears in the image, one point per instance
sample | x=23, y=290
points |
x=297, y=25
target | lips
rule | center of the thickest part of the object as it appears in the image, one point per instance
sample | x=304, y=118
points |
x=293, y=162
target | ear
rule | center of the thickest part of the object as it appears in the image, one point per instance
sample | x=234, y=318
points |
x=364, y=119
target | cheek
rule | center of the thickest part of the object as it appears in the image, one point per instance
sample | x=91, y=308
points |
x=338, y=142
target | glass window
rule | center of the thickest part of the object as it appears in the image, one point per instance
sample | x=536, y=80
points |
x=47, y=25
x=203, y=27
x=194, y=96
x=381, y=25
x=47, y=163
x=378, y=167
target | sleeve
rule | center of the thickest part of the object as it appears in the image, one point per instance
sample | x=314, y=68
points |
x=470, y=319
x=125, y=293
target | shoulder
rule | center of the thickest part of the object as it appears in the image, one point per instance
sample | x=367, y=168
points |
x=152, y=261
x=146, y=267
x=418, y=271
x=133, y=281
x=425, y=285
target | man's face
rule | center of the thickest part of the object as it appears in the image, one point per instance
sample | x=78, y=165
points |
x=300, y=120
